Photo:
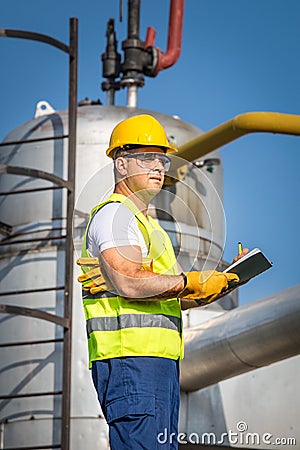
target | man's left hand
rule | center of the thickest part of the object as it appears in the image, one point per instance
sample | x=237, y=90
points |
x=244, y=252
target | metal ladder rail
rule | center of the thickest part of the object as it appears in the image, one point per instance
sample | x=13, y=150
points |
x=69, y=184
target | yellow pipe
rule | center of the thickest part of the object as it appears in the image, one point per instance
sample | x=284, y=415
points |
x=252, y=122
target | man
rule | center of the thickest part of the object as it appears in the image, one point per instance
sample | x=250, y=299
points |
x=133, y=293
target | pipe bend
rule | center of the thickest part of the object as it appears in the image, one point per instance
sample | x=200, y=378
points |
x=166, y=60
x=272, y=122
x=172, y=54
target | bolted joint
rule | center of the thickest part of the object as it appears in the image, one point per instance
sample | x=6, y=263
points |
x=132, y=79
x=133, y=55
x=109, y=85
x=151, y=55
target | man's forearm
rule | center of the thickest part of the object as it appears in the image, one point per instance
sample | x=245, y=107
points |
x=123, y=270
x=142, y=284
x=150, y=286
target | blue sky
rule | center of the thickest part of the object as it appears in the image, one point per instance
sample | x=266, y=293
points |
x=237, y=56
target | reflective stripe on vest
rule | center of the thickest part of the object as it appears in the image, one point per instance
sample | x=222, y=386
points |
x=133, y=320
x=117, y=327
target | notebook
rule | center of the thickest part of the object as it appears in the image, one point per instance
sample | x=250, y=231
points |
x=251, y=265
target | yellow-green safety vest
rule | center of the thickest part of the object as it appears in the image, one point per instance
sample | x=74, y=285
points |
x=117, y=327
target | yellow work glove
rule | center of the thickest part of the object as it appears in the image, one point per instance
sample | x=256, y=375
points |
x=92, y=280
x=206, y=286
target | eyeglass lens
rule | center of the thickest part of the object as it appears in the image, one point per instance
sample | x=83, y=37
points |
x=150, y=160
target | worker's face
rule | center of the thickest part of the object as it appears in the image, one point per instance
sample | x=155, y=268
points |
x=144, y=174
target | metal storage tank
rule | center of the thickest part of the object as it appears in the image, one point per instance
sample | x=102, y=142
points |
x=39, y=216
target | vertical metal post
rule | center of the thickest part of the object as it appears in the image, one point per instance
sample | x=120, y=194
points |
x=66, y=397
x=132, y=92
x=1, y=435
x=134, y=19
x=110, y=97
x=134, y=55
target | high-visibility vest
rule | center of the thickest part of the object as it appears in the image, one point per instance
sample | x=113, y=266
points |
x=117, y=327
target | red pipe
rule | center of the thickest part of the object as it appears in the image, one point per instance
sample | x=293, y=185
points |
x=169, y=58
x=150, y=37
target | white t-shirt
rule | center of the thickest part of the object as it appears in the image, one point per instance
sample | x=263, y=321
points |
x=114, y=225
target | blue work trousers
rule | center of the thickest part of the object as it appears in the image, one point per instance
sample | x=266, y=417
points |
x=139, y=397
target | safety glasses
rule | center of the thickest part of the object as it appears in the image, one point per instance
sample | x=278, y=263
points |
x=151, y=160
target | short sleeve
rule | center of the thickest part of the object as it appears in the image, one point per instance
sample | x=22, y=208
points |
x=114, y=225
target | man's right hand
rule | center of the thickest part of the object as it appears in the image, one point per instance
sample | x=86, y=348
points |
x=92, y=280
x=207, y=285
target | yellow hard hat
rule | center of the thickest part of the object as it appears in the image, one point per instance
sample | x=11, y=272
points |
x=139, y=130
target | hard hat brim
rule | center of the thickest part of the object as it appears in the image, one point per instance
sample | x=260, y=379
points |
x=111, y=150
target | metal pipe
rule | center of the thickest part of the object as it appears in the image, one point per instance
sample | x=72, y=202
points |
x=65, y=321
x=252, y=336
x=30, y=141
x=132, y=67
x=252, y=122
x=36, y=313
x=2, y=435
x=29, y=241
x=132, y=96
x=31, y=394
x=19, y=344
x=4, y=32
x=40, y=447
x=110, y=97
x=34, y=173
x=150, y=37
x=69, y=255
x=172, y=54
x=25, y=191
x=134, y=19
x=30, y=291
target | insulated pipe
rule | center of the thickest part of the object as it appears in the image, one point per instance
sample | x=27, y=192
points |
x=252, y=336
x=172, y=54
x=252, y=122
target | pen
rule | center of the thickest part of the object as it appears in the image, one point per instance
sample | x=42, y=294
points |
x=240, y=248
